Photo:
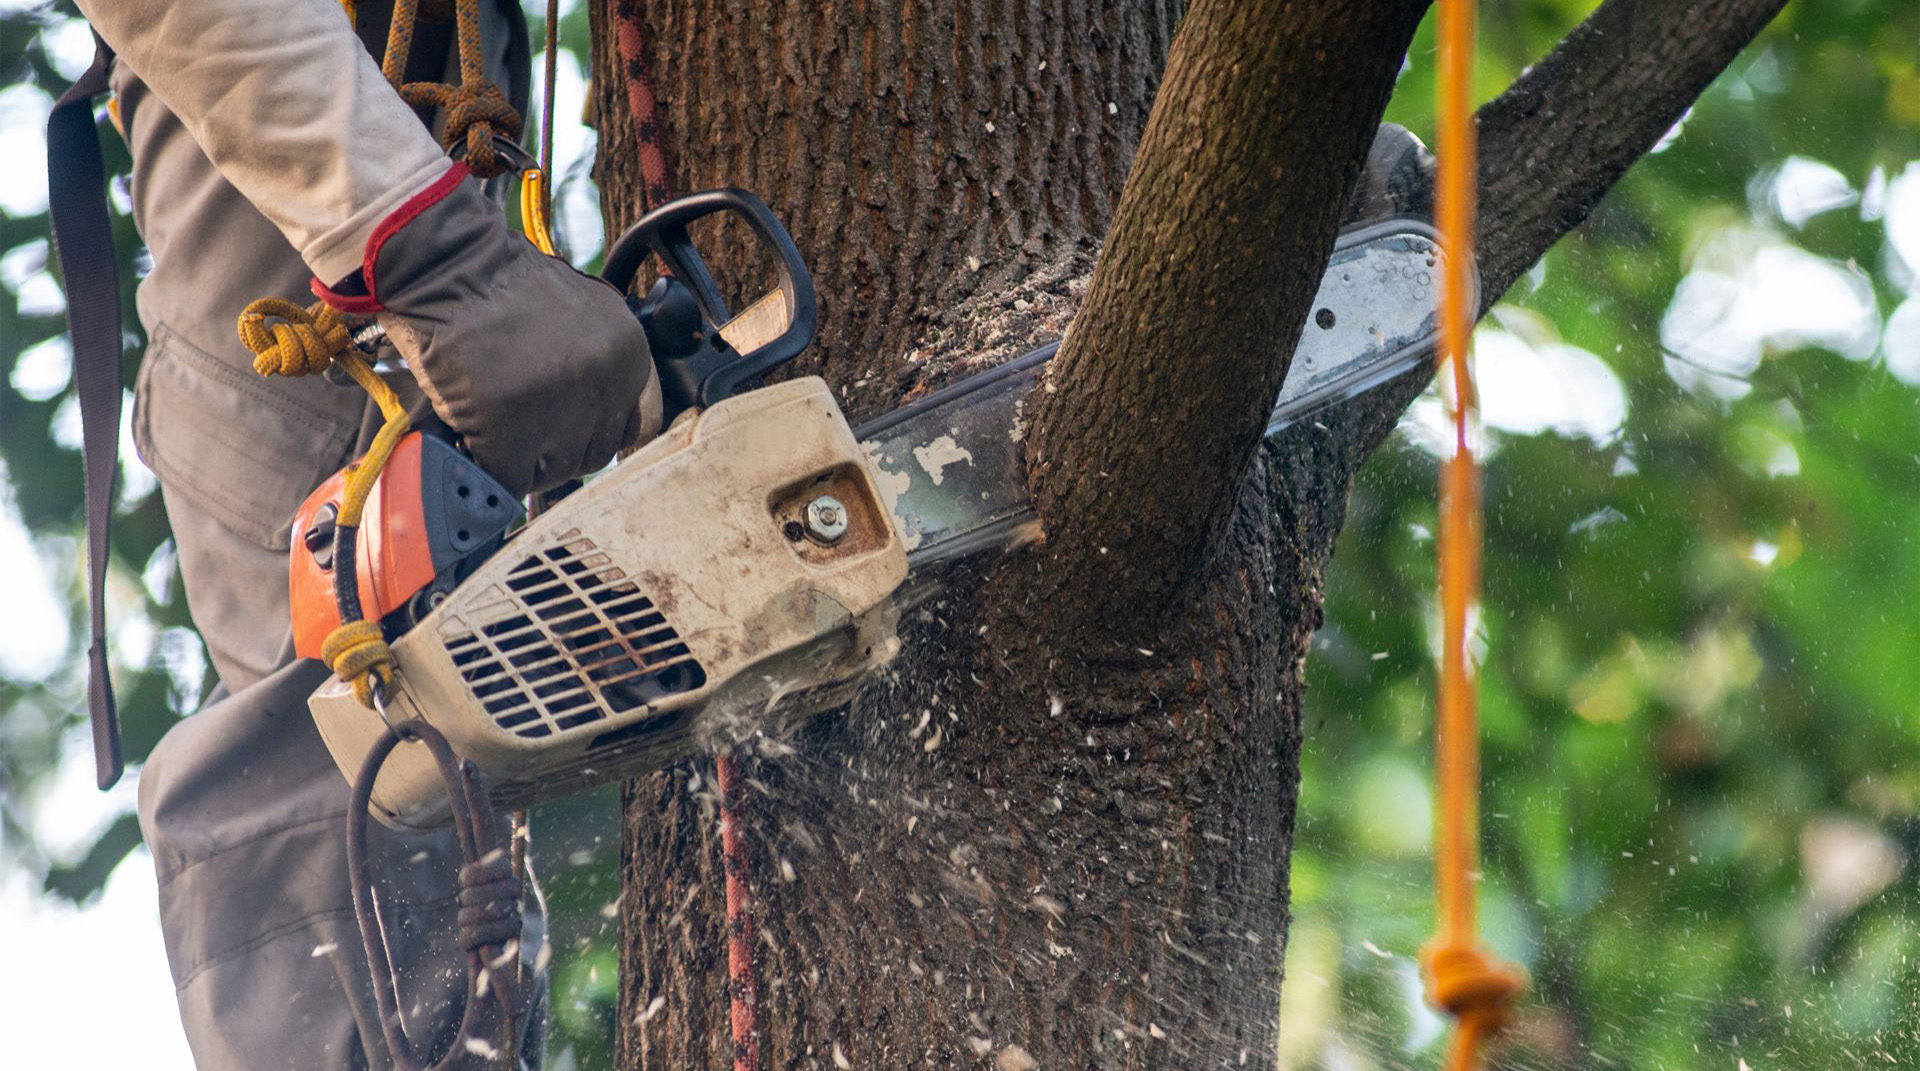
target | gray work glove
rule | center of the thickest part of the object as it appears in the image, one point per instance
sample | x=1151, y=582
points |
x=542, y=370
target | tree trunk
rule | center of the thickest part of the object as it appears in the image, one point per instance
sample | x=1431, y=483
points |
x=1045, y=838
x=1012, y=844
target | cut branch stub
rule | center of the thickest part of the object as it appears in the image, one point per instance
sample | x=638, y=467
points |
x=1153, y=407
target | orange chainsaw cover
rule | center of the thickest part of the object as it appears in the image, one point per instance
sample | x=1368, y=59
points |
x=394, y=553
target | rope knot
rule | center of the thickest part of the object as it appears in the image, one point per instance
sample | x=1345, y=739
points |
x=357, y=652
x=1471, y=985
x=474, y=112
x=489, y=903
x=304, y=341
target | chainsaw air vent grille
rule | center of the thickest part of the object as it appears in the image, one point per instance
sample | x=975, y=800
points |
x=579, y=643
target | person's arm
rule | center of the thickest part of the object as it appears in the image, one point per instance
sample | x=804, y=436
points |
x=543, y=371
x=286, y=102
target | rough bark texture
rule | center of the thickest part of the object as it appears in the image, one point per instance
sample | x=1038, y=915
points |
x=923, y=153
x=1046, y=838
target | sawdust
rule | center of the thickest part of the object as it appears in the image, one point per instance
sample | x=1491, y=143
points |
x=995, y=326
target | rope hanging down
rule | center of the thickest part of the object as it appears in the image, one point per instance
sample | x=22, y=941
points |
x=1462, y=978
x=631, y=35
x=657, y=189
x=733, y=862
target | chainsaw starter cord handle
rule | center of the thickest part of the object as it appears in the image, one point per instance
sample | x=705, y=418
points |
x=489, y=921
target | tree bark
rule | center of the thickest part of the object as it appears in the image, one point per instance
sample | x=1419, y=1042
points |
x=932, y=157
x=1057, y=832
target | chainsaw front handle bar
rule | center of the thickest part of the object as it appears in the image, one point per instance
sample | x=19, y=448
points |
x=697, y=365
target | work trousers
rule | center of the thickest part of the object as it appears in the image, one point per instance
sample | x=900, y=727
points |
x=241, y=805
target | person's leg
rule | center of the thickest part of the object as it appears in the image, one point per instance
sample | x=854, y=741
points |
x=241, y=805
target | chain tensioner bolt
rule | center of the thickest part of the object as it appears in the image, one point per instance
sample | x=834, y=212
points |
x=826, y=520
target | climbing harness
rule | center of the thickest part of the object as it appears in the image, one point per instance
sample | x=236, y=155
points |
x=1462, y=978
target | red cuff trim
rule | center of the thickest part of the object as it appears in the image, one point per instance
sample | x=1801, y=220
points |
x=353, y=304
x=369, y=303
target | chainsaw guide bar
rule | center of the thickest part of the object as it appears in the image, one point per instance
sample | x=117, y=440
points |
x=950, y=465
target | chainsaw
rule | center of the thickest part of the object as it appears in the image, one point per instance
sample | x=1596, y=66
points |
x=743, y=571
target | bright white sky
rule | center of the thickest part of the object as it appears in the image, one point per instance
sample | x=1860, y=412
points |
x=1748, y=290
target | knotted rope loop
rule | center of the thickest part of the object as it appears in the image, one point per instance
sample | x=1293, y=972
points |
x=1466, y=981
x=475, y=110
x=489, y=903
x=357, y=653
x=1476, y=989
x=474, y=113
x=288, y=340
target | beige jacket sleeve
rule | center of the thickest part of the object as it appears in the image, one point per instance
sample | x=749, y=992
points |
x=286, y=102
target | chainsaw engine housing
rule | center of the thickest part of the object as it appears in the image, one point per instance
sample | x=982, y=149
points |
x=678, y=602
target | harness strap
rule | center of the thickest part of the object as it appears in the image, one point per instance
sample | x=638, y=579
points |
x=83, y=238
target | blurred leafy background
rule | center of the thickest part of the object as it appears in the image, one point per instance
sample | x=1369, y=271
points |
x=1701, y=685
x=1703, y=550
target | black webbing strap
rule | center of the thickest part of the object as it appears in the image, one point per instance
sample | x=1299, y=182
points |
x=83, y=237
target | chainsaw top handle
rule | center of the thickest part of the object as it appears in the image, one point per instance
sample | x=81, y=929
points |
x=702, y=350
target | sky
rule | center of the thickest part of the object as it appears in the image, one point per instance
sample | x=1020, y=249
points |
x=1748, y=289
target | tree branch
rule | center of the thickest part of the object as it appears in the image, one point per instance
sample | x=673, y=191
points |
x=1152, y=409
x=1558, y=139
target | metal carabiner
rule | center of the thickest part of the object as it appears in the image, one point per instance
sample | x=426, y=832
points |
x=379, y=691
x=533, y=189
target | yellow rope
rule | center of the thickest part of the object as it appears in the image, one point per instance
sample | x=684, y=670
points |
x=358, y=653
x=475, y=109
x=289, y=340
x=1462, y=978
x=305, y=341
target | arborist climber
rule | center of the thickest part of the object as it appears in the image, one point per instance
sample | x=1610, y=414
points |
x=271, y=157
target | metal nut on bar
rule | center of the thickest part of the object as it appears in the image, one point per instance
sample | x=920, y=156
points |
x=826, y=519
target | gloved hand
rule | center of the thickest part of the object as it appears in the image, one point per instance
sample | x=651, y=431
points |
x=542, y=370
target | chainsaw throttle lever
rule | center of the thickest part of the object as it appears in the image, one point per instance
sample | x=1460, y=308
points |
x=688, y=323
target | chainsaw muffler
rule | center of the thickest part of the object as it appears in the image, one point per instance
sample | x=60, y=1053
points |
x=732, y=576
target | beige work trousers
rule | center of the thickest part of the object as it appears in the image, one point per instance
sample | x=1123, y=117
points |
x=240, y=804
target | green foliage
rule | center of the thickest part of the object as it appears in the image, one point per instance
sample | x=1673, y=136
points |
x=1698, y=689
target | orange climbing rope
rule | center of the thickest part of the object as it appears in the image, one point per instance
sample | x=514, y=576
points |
x=1462, y=978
